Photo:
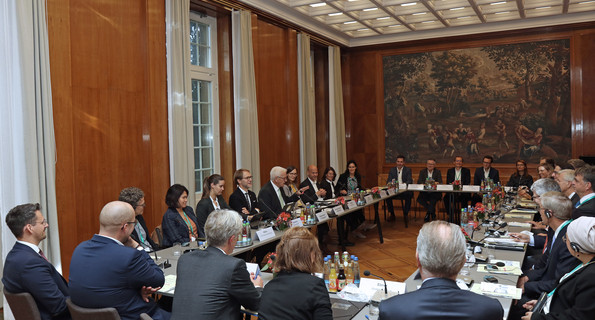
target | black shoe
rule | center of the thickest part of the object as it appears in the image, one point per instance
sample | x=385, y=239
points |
x=427, y=217
x=433, y=216
x=391, y=218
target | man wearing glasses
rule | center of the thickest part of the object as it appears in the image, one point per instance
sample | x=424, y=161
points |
x=486, y=171
x=271, y=198
x=112, y=270
x=27, y=269
x=136, y=198
x=243, y=200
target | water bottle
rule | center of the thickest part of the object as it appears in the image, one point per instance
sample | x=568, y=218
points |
x=326, y=272
x=356, y=275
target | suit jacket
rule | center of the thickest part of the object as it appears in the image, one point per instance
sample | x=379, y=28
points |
x=440, y=298
x=175, y=228
x=478, y=176
x=295, y=296
x=406, y=175
x=237, y=201
x=575, y=199
x=269, y=201
x=423, y=175
x=104, y=273
x=309, y=195
x=212, y=285
x=465, y=176
x=324, y=184
x=203, y=208
x=143, y=224
x=342, y=181
x=26, y=271
x=517, y=181
x=573, y=298
x=586, y=209
x=553, y=264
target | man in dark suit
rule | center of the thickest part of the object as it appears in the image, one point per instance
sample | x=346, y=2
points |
x=401, y=174
x=136, y=198
x=463, y=176
x=486, y=171
x=565, y=179
x=312, y=190
x=429, y=199
x=26, y=268
x=243, y=200
x=440, y=256
x=112, y=270
x=222, y=283
x=584, y=178
x=271, y=199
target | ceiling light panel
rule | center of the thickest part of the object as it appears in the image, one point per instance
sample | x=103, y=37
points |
x=464, y=20
x=450, y=14
x=502, y=16
x=449, y=4
x=508, y=6
x=581, y=6
x=529, y=4
x=543, y=11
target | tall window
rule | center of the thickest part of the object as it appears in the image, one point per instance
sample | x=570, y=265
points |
x=203, y=74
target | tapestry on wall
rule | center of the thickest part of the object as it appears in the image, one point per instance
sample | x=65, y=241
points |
x=509, y=101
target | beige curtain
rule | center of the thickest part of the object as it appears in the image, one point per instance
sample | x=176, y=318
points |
x=307, y=107
x=338, y=153
x=244, y=90
x=179, y=95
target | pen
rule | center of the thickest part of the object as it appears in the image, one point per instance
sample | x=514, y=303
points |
x=257, y=273
x=367, y=317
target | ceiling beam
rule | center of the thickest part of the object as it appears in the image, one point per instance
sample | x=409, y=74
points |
x=392, y=14
x=437, y=14
x=521, y=7
x=477, y=10
x=565, y=6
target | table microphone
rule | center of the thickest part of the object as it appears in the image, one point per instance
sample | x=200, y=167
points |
x=368, y=273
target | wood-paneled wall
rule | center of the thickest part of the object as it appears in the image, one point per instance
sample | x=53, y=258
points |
x=108, y=71
x=363, y=92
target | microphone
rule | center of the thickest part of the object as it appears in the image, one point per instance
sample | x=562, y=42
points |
x=368, y=273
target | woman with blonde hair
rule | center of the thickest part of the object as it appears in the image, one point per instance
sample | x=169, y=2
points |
x=295, y=293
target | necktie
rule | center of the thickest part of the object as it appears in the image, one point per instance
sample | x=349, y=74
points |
x=578, y=204
x=280, y=198
x=248, y=200
x=43, y=255
x=545, y=245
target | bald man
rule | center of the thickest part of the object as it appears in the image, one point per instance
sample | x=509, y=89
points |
x=112, y=270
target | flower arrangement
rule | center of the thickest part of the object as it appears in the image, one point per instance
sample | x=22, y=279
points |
x=269, y=258
x=282, y=221
x=480, y=209
x=467, y=237
x=375, y=192
x=340, y=200
x=456, y=185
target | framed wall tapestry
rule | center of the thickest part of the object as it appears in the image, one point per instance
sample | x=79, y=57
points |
x=509, y=101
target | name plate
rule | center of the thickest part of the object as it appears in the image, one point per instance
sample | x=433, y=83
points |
x=351, y=204
x=384, y=194
x=471, y=188
x=297, y=223
x=391, y=191
x=323, y=215
x=265, y=234
x=338, y=210
x=403, y=186
x=369, y=199
x=415, y=186
x=444, y=187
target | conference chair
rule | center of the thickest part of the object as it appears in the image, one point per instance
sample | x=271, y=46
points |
x=157, y=236
x=80, y=313
x=144, y=316
x=22, y=305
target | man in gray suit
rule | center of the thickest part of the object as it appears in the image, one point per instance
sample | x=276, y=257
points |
x=211, y=284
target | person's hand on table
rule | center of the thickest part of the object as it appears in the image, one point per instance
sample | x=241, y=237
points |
x=343, y=192
x=527, y=316
x=530, y=304
x=245, y=211
x=521, y=283
x=146, y=292
x=256, y=281
x=520, y=237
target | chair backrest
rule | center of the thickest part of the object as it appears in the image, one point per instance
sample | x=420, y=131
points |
x=80, y=313
x=23, y=305
x=144, y=316
x=157, y=236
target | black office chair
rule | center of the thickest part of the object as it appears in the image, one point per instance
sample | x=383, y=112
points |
x=23, y=305
x=80, y=313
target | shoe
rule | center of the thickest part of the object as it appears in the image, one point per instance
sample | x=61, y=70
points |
x=406, y=220
x=369, y=226
x=391, y=218
x=427, y=217
x=434, y=217
x=359, y=234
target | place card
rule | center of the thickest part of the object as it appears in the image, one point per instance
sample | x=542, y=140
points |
x=444, y=187
x=470, y=188
x=323, y=215
x=265, y=234
x=369, y=199
x=297, y=222
x=415, y=186
x=402, y=186
x=338, y=210
x=351, y=204
x=391, y=191
x=383, y=193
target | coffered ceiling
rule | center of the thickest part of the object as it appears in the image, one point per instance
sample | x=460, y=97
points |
x=366, y=22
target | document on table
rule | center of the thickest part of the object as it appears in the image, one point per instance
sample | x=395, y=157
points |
x=519, y=224
x=503, y=241
x=170, y=284
x=370, y=286
x=497, y=290
x=510, y=267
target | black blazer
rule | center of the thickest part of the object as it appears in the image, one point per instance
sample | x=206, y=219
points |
x=342, y=181
x=553, y=264
x=585, y=209
x=465, y=176
x=478, y=177
x=26, y=271
x=295, y=296
x=309, y=195
x=203, y=208
x=143, y=224
x=212, y=285
x=440, y=298
x=516, y=181
x=174, y=228
x=575, y=199
x=237, y=201
x=573, y=298
x=268, y=201
x=324, y=184
x=423, y=174
x=406, y=176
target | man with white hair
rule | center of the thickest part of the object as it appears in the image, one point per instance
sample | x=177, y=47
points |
x=271, y=197
x=565, y=179
x=440, y=256
x=210, y=283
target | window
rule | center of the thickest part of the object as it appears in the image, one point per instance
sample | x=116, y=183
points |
x=203, y=80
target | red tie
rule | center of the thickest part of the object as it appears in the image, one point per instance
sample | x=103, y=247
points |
x=545, y=245
x=43, y=256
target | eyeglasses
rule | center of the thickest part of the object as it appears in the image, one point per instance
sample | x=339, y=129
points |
x=247, y=178
x=142, y=205
x=43, y=222
x=133, y=223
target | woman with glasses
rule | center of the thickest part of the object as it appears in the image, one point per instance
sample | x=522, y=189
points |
x=179, y=223
x=136, y=198
x=292, y=185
